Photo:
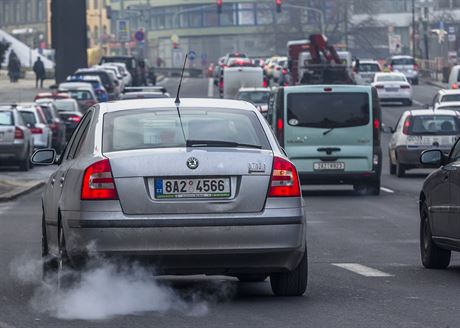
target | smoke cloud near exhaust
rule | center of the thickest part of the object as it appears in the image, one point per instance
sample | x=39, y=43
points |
x=105, y=290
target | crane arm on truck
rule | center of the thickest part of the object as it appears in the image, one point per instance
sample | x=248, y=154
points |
x=318, y=43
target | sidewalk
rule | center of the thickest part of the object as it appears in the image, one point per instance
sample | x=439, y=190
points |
x=14, y=183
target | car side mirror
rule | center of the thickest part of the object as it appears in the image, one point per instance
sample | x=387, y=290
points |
x=44, y=157
x=387, y=129
x=432, y=158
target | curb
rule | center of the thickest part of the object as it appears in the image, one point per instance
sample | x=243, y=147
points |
x=20, y=190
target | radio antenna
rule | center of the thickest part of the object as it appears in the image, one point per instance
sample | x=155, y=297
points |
x=177, y=101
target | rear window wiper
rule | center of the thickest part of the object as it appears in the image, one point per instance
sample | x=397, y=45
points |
x=218, y=143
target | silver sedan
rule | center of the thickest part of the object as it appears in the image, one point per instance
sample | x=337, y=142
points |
x=208, y=191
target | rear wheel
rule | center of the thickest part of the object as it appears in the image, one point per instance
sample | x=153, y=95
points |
x=291, y=283
x=370, y=188
x=24, y=165
x=400, y=170
x=433, y=257
x=392, y=166
x=252, y=277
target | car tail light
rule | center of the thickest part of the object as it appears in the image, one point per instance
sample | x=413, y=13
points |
x=265, y=83
x=405, y=86
x=221, y=84
x=280, y=129
x=406, y=126
x=376, y=123
x=284, y=71
x=18, y=133
x=98, y=182
x=74, y=118
x=454, y=86
x=36, y=130
x=378, y=86
x=284, y=180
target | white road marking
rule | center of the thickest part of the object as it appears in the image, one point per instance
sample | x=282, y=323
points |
x=362, y=270
x=388, y=190
x=418, y=103
x=210, y=87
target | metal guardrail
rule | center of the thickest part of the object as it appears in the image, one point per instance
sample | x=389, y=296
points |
x=173, y=71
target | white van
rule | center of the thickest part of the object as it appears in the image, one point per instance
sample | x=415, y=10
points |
x=454, y=78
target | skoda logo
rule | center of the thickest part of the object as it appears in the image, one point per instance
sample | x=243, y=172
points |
x=192, y=163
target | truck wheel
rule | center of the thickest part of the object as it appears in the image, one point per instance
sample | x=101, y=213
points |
x=432, y=256
x=291, y=283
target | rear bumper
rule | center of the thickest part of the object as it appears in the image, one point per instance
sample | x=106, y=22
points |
x=411, y=157
x=394, y=97
x=273, y=240
x=336, y=178
x=13, y=152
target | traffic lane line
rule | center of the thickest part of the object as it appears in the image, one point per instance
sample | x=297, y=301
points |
x=362, y=270
x=388, y=190
x=418, y=103
x=210, y=87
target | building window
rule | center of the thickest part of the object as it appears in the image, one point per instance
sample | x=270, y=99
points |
x=29, y=11
x=40, y=11
x=246, y=14
x=228, y=16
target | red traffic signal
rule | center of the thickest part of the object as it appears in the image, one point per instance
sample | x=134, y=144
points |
x=219, y=6
x=278, y=6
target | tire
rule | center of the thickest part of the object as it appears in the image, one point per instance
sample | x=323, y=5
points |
x=24, y=165
x=370, y=188
x=255, y=277
x=400, y=170
x=392, y=166
x=291, y=283
x=433, y=257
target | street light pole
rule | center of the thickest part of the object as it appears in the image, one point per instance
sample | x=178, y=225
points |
x=413, y=28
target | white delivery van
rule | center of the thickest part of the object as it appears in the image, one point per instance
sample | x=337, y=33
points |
x=235, y=78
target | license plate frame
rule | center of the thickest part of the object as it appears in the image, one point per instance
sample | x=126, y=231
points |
x=329, y=166
x=209, y=190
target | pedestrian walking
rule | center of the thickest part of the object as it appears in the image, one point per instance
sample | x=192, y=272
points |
x=39, y=70
x=14, y=67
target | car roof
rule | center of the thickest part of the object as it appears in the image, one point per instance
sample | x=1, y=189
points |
x=334, y=87
x=254, y=89
x=401, y=57
x=368, y=61
x=418, y=112
x=168, y=103
x=449, y=104
x=449, y=91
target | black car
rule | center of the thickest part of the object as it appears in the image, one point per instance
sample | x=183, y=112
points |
x=440, y=208
x=131, y=64
x=55, y=123
x=70, y=113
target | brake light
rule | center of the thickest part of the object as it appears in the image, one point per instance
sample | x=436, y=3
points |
x=36, y=130
x=284, y=71
x=284, y=180
x=265, y=83
x=327, y=89
x=378, y=86
x=18, y=133
x=279, y=124
x=221, y=84
x=405, y=86
x=454, y=86
x=406, y=126
x=376, y=124
x=74, y=118
x=98, y=182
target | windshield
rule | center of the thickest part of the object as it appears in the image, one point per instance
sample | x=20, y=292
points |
x=390, y=78
x=65, y=105
x=433, y=125
x=450, y=98
x=328, y=110
x=255, y=97
x=369, y=68
x=138, y=129
x=28, y=117
x=6, y=118
x=402, y=61
x=102, y=74
x=81, y=95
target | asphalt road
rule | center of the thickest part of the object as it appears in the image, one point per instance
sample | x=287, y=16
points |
x=364, y=262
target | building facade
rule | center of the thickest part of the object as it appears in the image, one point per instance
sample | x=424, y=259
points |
x=250, y=26
x=27, y=20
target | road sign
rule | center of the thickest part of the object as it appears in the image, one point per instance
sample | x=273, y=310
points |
x=192, y=55
x=123, y=30
x=177, y=57
x=139, y=36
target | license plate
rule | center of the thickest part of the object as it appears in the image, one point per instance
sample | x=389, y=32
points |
x=192, y=188
x=326, y=166
x=391, y=89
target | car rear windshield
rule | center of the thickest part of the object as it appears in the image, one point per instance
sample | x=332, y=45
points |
x=328, y=110
x=161, y=128
x=80, y=94
x=256, y=97
x=433, y=125
x=369, y=68
x=6, y=118
x=48, y=114
x=447, y=98
x=129, y=62
x=390, y=78
x=65, y=105
x=402, y=61
x=28, y=117
x=105, y=78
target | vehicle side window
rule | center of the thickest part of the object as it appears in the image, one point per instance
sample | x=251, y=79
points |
x=79, y=137
x=455, y=153
x=78, y=131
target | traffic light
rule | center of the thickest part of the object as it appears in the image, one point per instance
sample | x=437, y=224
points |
x=278, y=6
x=219, y=6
